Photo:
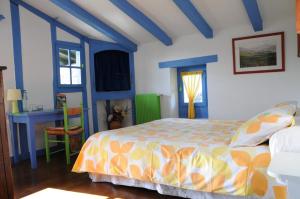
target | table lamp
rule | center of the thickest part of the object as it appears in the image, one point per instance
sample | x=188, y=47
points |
x=14, y=95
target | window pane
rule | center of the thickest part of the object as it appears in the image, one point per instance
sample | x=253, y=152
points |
x=76, y=76
x=65, y=75
x=75, y=58
x=199, y=97
x=63, y=57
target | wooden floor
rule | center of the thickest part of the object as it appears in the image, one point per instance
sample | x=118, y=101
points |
x=57, y=175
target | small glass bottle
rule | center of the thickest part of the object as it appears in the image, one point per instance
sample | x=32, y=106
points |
x=25, y=101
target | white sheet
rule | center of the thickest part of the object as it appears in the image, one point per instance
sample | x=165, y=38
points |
x=162, y=189
x=286, y=140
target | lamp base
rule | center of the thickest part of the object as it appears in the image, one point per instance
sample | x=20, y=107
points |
x=15, y=108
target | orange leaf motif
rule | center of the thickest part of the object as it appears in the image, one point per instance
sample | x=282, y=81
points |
x=280, y=192
x=168, y=167
x=253, y=127
x=240, y=179
x=262, y=160
x=115, y=147
x=241, y=158
x=89, y=164
x=269, y=118
x=198, y=181
x=126, y=147
x=167, y=151
x=259, y=183
x=217, y=183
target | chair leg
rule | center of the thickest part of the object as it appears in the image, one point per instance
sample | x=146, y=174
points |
x=82, y=139
x=46, y=139
x=67, y=148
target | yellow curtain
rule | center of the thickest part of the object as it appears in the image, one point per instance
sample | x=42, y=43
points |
x=191, y=82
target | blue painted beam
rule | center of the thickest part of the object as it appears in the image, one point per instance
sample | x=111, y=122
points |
x=187, y=7
x=143, y=20
x=50, y=19
x=1, y=17
x=17, y=47
x=252, y=9
x=89, y=19
x=188, y=62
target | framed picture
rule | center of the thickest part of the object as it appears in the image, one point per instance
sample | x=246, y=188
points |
x=259, y=53
x=298, y=36
x=60, y=100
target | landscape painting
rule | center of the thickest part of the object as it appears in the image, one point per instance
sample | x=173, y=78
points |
x=261, y=53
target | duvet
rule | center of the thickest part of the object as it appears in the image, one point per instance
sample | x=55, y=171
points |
x=187, y=154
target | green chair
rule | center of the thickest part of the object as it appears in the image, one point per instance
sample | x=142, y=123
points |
x=66, y=131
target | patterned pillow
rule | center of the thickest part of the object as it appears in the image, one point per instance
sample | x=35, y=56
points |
x=290, y=106
x=261, y=127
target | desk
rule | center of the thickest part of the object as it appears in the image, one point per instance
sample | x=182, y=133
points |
x=30, y=119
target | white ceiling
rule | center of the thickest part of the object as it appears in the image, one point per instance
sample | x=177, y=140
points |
x=220, y=14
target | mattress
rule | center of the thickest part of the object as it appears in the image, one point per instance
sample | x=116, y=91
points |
x=185, y=154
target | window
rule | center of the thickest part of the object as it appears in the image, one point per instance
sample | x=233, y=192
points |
x=199, y=97
x=192, y=80
x=69, y=67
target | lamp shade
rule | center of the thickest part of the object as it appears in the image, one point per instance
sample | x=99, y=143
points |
x=14, y=94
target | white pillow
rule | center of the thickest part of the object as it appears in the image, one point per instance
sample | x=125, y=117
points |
x=297, y=120
x=285, y=140
x=295, y=103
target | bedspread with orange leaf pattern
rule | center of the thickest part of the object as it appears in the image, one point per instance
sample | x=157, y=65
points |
x=188, y=154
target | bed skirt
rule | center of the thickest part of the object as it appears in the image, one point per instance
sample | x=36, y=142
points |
x=162, y=189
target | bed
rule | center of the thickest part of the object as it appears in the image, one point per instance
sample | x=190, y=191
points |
x=180, y=157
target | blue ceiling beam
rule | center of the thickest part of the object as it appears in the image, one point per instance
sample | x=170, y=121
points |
x=254, y=15
x=89, y=19
x=143, y=20
x=187, y=7
x=1, y=17
x=50, y=19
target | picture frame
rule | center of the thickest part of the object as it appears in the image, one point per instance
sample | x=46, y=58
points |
x=259, y=54
x=60, y=100
x=298, y=41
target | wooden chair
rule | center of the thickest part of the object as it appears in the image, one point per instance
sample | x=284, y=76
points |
x=66, y=131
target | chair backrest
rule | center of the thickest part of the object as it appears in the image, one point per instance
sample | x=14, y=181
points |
x=75, y=112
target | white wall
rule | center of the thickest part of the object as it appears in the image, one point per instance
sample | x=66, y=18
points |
x=229, y=96
x=6, y=50
x=37, y=64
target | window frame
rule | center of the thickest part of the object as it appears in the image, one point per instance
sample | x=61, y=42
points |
x=180, y=85
x=69, y=46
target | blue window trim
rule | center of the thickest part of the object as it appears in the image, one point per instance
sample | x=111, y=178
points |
x=204, y=82
x=17, y=47
x=188, y=62
x=70, y=46
x=96, y=46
